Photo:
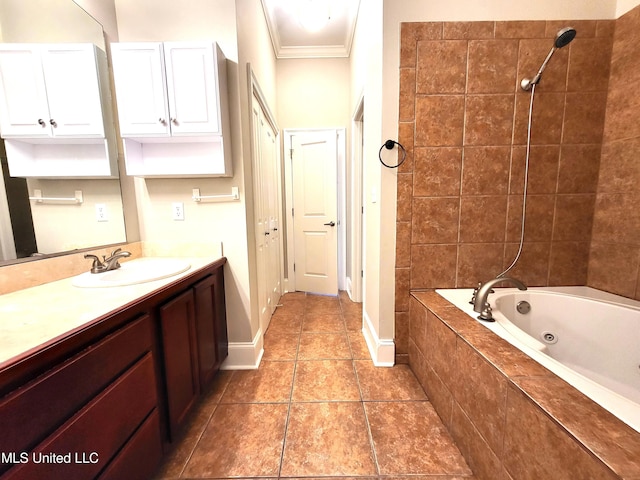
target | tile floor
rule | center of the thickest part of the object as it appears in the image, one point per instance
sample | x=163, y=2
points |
x=316, y=407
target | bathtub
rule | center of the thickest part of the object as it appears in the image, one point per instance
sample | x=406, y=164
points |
x=589, y=338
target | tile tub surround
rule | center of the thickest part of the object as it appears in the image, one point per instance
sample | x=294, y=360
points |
x=463, y=120
x=511, y=418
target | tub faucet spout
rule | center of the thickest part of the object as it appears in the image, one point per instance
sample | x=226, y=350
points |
x=481, y=304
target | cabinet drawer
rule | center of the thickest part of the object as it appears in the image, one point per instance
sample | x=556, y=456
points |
x=141, y=455
x=31, y=413
x=89, y=440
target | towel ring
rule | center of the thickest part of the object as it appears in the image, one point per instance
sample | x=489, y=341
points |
x=389, y=144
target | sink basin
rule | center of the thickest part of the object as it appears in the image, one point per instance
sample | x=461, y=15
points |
x=136, y=271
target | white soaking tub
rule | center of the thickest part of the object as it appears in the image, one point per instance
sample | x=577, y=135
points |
x=589, y=338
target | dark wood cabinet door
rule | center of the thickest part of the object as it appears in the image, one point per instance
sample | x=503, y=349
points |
x=211, y=326
x=177, y=320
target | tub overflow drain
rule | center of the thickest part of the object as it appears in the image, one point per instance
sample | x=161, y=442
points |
x=523, y=306
x=549, y=338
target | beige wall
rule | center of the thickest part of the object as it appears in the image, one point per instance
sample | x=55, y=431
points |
x=313, y=93
x=228, y=223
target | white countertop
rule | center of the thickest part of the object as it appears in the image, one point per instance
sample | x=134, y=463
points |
x=37, y=316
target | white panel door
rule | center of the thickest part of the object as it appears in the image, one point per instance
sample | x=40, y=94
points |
x=192, y=88
x=260, y=215
x=138, y=70
x=71, y=78
x=314, y=167
x=23, y=97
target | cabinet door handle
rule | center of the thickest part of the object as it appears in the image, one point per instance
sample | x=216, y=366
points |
x=266, y=233
x=174, y=121
x=331, y=224
x=42, y=123
x=162, y=121
x=53, y=122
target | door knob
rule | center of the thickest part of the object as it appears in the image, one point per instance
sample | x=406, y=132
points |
x=331, y=223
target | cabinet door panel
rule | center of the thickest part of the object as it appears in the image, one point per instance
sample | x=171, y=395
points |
x=192, y=88
x=71, y=77
x=180, y=357
x=31, y=413
x=23, y=98
x=91, y=438
x=140, y=89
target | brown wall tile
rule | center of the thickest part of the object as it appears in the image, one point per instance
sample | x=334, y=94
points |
x=482, y=219
x=579, y=167
x=437, y=171
x=614, y=268
x=441, y=349
x=573, y=217
x=492, y=65
x=407, y=94
x=584, y=117
x=435, y=220
x=486, y=170
x=533, y=266
x=488, y=120
x=403, y=244
x=589, y=63
x=538, y=218
x=543, y=169
x=481, y=459
x=617, y=218
x=403, y=276
x=567, y=265
x=481, y=393
x=619, y=166
x=468, y=30
x=442, y=67
x=546, y=127
x=535, y=448
x=439, y=121
x=433, y=266
x=478, y=262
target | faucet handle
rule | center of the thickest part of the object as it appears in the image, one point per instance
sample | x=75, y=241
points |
x=97, y=265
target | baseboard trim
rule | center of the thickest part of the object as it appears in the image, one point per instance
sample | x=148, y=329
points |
x=245, y=355
x=383, y=352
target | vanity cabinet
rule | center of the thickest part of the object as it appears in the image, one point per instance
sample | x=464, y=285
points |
x=173, y=108
x=210, y=326
x=55, y=112
x=110, y=397
x=177, y=320
x=194, y=343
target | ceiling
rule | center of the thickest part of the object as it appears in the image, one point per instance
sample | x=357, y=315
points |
x=292, y=40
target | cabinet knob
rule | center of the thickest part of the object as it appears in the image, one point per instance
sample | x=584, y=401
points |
x=174, y=121
x=53, y=122
x=42, y=122
x=162, y=121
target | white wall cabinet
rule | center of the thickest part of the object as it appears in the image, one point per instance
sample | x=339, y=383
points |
x=55, y=112
x=172, y=108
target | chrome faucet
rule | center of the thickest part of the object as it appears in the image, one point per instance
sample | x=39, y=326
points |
x=110, y=263
x=480, y=302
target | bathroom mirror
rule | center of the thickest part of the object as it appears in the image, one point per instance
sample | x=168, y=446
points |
x=30, y=229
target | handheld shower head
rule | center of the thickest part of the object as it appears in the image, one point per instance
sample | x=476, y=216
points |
x=563, y=38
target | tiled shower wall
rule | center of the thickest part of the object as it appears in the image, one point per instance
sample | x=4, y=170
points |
x=614, y=261
x=463, y=121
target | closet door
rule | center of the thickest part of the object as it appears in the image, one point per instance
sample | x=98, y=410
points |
x=192, y=88
x=138, y=70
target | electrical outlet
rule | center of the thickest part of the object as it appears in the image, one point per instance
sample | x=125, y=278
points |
x=101, y=212
x=178, y=210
